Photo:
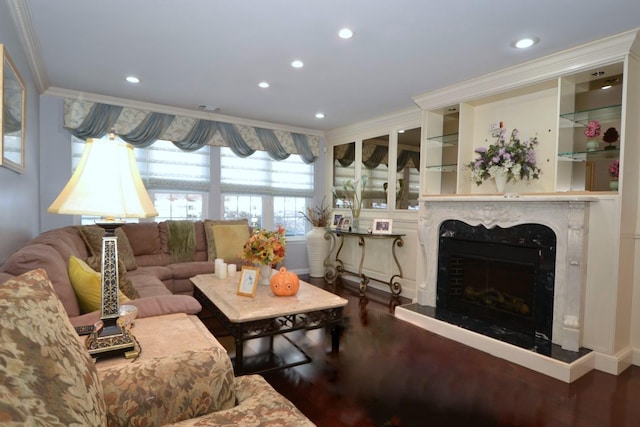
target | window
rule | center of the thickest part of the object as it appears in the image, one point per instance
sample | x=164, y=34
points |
x=178, y=181
x=265, y=191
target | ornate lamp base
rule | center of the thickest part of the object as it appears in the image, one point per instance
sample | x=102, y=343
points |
x=111, y=341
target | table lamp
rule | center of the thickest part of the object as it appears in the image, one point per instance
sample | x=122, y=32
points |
x=107, y=183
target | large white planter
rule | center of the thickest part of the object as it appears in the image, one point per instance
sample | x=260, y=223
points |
x=317, y=251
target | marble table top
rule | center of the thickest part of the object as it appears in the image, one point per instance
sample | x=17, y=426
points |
x=264, y=305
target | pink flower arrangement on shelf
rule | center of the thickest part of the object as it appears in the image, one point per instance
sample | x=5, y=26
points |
x=593, y=129
x=614, y=168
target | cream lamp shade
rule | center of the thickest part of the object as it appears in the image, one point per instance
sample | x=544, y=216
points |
x=106, y=183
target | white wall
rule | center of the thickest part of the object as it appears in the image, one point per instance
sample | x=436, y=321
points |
x=19, y=201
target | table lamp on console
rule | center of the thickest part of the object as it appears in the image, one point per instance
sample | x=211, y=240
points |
x=107, y=184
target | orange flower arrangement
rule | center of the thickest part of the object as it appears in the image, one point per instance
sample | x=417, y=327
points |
x=265, y=247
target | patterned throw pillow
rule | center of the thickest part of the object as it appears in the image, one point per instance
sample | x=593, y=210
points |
x=46, y=375
x=87, y=284
x=92, y=236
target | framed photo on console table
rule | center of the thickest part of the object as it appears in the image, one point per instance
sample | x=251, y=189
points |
x=335, y=221
x=248, y=281
x=382, y=226
x=345, y=223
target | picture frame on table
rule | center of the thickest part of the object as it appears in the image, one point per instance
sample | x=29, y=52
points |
x=335, y=221
x=382, y=226
x=345, y=223
x=248, y=281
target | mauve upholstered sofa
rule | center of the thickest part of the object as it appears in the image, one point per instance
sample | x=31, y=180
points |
x=162, y=284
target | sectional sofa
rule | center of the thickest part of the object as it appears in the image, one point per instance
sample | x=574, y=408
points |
x=48, y=377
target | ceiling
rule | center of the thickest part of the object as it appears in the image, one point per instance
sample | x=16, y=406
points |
x=190, y=53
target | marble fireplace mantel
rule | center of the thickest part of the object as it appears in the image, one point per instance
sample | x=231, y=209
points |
x=566, y=214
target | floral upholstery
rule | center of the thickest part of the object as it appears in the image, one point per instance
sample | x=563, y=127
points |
x=260, y=406
x=46, y=375
x=168, y=389
x=48, y=378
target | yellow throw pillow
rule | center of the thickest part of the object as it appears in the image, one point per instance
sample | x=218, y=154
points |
x=229, y=240
x=87, y=285
x=208, y=229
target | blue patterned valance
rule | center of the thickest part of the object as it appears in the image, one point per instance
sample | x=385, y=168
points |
x=141, y=128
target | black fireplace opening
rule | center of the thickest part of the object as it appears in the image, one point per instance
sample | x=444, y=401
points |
x=498, y=280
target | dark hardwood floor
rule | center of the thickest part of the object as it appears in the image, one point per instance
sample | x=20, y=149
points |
x=391, y=373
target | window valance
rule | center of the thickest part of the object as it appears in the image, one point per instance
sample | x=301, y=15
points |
x=85, y=119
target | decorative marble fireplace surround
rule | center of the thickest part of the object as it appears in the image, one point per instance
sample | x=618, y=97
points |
x=567, y=216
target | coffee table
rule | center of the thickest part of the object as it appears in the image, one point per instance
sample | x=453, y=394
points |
x=267, y=315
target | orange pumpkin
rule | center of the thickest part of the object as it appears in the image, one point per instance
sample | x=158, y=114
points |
x=284, y=283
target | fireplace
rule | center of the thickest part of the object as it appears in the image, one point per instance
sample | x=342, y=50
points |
x=534, y=238
x=498, y=278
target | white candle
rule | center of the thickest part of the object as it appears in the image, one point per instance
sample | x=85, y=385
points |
x=231, y=270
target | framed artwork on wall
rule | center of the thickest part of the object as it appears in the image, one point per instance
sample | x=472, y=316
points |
x=12, y=115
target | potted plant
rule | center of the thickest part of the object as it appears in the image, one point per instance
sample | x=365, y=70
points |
x=592, y=131
x=317, y=245
x=614, y=171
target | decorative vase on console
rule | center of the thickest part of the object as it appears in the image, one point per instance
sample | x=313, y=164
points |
x=592, y=131
x=265, y=249
x=317, y=245
x=351, y=195
x=500, y=179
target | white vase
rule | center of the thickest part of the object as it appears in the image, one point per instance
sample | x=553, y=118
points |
x=265, y=275
x=613, y=184
x=500, y=181
x=592, y=145
x=317, y=251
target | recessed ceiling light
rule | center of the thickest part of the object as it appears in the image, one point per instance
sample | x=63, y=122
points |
x=597, y=73
x=319, y=115
x=345, y=33
x=297, y=64
x=525, y=42
x=263, y=85
x=133, y=79
x=401, y=131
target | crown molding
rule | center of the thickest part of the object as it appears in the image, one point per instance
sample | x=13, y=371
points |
x=410, y=117
x=21, y=16
x=600, y=52
x=159, y=108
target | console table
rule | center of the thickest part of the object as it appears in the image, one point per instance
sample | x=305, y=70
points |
x=334, y=266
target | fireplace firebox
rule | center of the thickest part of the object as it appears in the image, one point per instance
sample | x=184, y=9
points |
x=502, y=278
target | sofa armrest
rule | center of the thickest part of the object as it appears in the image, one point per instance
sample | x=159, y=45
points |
x=259, y=405
x=168, y=389
x=150, y=307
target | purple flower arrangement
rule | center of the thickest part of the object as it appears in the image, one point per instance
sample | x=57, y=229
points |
x=614, y=169
x=593, y=129
x=515, y=158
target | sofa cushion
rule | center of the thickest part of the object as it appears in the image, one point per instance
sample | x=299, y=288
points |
x=43, y=256
x=124, y=283
x=168, y=389
x=46, y=375
x=92, y=235
x=87, y=283
x=229, y=240
x=208, y=228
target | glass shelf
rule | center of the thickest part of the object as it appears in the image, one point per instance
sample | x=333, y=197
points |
x=450, y=140
x=583, y=156
x=604, y=114
x=442, y=168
